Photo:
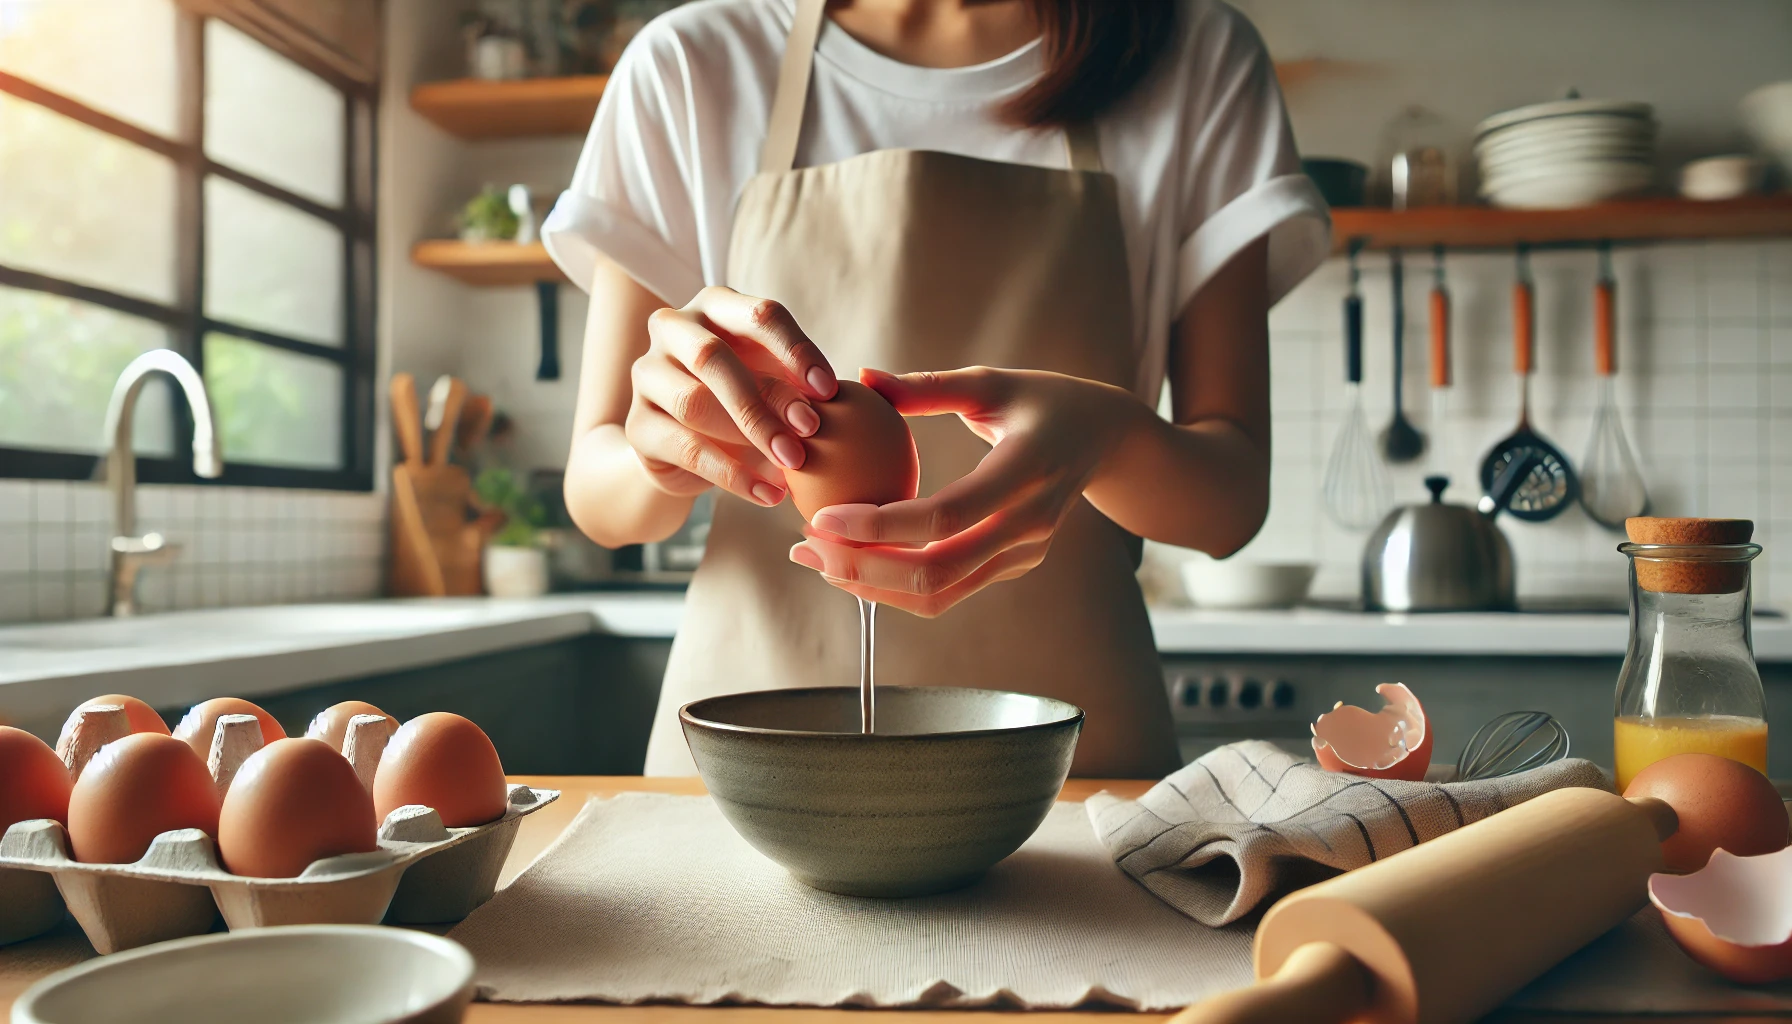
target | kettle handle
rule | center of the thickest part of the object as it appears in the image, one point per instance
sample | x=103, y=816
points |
x=1506, y=484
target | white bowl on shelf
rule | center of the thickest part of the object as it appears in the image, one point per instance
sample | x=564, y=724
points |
x=1767, y=113
x=1214, y=583
x=1723, y=177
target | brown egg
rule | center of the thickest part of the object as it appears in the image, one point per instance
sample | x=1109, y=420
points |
x=331, y=724
x=293, y=802
x=33, y=780
x=442, y=761
x=863, y=453
x=1722, y=805
x=135, y=789
x=143, y=718
x=201, y=721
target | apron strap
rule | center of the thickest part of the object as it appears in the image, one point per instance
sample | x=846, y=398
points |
x=792, y=95
x=1081, y=141
x=1084, y=144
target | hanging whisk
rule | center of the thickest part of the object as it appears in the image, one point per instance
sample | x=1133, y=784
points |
x=1356, y=486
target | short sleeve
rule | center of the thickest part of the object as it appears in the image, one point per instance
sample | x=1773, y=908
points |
x=1242, y=179
x=633, y=196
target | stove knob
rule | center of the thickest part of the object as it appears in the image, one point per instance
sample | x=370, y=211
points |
x=1281, y=695
x=1250, y=695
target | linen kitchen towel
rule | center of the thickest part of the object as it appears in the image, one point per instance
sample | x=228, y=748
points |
x=648, y=897
x=1248, y=820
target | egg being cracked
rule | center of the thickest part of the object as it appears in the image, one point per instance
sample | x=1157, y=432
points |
x=862, y=453
x=293, y=802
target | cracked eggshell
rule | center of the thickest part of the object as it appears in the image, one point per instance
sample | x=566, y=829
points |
x=1393, y=743
x=1734, y=915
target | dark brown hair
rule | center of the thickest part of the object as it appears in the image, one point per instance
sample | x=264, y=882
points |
x=1095, y=52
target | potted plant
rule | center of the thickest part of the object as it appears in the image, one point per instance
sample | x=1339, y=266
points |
x=487, y=217
x=516, y=558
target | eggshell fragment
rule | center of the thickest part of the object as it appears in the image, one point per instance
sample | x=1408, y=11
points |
x=1720, y=803
x=862, y=453
x=443, y=761
x=142, y=717
x=1393, y=743
x=1734, y=915
x=34, y=783
x=201, y=722
x=294, y=801
x=135, y=789
x=331, y=724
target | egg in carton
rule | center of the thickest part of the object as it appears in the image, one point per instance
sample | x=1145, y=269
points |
x=423, y=872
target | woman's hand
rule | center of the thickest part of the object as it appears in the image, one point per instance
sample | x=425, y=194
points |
x=1050, y=433
x=722, y=396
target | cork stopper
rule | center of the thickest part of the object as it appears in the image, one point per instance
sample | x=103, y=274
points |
x=1686, y=572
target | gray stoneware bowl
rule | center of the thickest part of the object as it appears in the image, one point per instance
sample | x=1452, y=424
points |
x=952, y=781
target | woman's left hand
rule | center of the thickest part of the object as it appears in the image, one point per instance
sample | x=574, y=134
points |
x=1050, y=433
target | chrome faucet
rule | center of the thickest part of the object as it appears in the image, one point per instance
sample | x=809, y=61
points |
x=130, y=550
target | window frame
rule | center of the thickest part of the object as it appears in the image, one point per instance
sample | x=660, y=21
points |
x=186, y=320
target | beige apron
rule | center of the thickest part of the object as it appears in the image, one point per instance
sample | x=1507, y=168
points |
x=910, y=260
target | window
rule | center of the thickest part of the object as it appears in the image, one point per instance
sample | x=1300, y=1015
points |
x=170, y=180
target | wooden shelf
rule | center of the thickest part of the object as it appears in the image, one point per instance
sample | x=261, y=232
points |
x=487, y=264
x=1633, y=220
x=474, y=108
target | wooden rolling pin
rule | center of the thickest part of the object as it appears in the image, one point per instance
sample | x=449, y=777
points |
x=1448, y=930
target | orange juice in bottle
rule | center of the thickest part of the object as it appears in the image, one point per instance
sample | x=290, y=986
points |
x=1689, y=682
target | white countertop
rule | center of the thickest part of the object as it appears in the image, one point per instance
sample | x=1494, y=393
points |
x=183, y=657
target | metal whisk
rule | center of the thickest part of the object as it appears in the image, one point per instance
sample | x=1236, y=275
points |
x=1514, y=742
x=1355, y=487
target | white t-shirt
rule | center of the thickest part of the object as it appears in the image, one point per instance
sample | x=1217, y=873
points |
x=1201, y=149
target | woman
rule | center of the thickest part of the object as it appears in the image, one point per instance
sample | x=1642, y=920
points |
x=1020, y=217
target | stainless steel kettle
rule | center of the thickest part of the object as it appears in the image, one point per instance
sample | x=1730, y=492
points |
x=1439, y=557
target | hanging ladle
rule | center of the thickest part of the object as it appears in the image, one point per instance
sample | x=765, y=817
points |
x=1401, y=441
x=1611, y=489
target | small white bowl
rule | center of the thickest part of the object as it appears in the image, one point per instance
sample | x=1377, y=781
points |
x=1723, y=177
x=1226, y=584
x=300, y=974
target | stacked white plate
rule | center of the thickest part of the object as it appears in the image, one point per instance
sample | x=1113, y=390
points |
x=1566, y=153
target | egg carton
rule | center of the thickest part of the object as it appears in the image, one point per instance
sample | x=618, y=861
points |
x=422, y=873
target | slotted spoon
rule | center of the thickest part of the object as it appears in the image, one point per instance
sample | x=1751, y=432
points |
x=1550, y=486
x=1355, y=487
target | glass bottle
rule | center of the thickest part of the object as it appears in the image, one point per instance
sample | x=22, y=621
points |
x=1689, y=681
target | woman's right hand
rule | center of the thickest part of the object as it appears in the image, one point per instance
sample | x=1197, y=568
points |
x=723, y=395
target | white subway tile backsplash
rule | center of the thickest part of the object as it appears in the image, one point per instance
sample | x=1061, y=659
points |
x=1704, y=384
x=237, y=545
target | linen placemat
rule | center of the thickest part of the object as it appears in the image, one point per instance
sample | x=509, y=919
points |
x=648, y=897
x=1248, y=820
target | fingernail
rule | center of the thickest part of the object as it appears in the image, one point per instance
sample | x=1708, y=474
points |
x=788, y=451
x=821, y=380
x=767, y=494
x=802, y=419
x=829, y=524
x=806, y=557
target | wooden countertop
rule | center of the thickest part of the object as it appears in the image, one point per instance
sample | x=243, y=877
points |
x=24, y=963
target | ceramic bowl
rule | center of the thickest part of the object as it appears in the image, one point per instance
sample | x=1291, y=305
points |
x=1212, y=583
x=301, y=974
x=952, y=781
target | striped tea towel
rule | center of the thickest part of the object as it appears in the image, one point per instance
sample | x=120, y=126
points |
x=1221, y=834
